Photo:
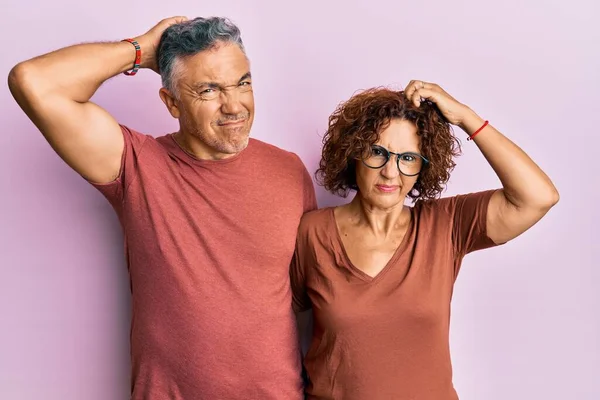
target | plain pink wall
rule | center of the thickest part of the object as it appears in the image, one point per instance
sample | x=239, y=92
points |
x=526, y=316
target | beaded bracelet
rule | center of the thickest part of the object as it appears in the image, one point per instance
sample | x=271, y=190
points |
x=138, y=57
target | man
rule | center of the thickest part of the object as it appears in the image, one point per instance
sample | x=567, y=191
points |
x=209, y=215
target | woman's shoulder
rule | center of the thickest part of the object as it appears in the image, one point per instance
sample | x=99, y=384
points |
x=316, y=218
x=434, y=205
x=447, y=209
x=315, y=222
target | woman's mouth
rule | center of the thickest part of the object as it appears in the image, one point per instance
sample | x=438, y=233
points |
x=387, y=188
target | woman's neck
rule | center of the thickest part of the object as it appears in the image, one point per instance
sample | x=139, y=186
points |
x=380, y=221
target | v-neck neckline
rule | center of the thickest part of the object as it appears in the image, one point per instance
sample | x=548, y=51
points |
x=397, y=253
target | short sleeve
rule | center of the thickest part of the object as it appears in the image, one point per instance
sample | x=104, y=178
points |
x=300, y=300
x=133, y=144
x=310, y=199
x=469, y=230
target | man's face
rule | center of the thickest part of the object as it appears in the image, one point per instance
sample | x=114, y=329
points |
x=214, y=102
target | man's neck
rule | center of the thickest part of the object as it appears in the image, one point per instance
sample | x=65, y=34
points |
x=197, y=149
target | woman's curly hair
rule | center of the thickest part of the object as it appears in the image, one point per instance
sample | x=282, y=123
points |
x=355, y=126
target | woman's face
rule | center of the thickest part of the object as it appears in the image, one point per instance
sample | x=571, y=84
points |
x=387, y=187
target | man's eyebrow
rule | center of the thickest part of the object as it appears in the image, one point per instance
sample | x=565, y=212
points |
x=199, y=85
x=212, y=85
x=247, y=75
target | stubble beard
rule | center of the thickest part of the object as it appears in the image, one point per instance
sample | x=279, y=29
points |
x=223, y=140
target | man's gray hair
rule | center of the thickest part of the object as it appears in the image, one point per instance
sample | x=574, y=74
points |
x=189, y=38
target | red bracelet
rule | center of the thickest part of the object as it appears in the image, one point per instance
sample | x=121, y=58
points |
x=478, y=130
x=138, y=57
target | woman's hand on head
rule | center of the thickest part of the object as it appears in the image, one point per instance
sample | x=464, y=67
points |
x=454, y=111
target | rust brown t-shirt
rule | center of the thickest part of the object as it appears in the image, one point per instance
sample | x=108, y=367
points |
x=385, y=337
x=208, y=245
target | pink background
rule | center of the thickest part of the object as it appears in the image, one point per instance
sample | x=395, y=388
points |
x=526, y=316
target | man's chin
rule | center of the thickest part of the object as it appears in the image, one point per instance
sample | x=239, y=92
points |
x=236, y=145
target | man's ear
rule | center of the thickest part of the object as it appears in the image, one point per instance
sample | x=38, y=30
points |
x=170, y=101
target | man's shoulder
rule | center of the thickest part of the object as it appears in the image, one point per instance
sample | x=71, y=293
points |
x=138, y=135
x=267, y=149
x=161, y=141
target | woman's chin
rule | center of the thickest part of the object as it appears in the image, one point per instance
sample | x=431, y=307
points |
x=385, y=201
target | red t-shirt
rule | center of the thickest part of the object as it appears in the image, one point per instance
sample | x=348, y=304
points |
x=208, y=246
x=386, y=337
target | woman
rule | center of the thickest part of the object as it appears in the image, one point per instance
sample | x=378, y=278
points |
x=379, y=275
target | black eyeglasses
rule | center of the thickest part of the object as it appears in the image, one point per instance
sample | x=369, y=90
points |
x=409, y=163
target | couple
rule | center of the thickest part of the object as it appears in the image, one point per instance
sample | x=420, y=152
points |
x=224, y=242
